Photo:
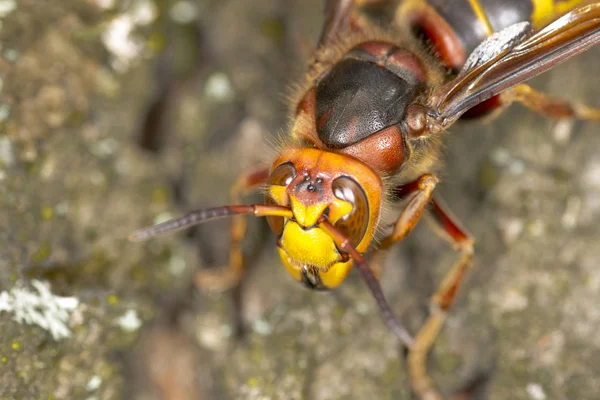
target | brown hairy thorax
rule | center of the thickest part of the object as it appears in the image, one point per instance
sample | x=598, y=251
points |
x=380, y=150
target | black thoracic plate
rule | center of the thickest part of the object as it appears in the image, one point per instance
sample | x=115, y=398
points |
x=357, y=99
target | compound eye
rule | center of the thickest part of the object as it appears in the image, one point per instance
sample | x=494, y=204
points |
x=353, y=225
x=281, y=176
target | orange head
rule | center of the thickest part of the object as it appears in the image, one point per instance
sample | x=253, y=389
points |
x=315, y=183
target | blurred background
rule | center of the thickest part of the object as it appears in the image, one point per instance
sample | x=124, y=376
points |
x=117, y=114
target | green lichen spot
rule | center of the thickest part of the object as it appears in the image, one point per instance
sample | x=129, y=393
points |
x=156, y=42
x=112, y=300
x=256, y=354
x=272, y=29
x=488, y=176
x=47, y=212
x=449, y=363
x=139, y=274
x=561, y=175
x=76, y=118
x=253, y=382
x=390, y=374
x=4, y=359
x=338, y=312
x=44, y=251
x=16, y=345
x=159, y=196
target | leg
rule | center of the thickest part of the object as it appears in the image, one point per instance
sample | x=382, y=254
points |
x=339, y=16
x=547, y=105
x=422, y=195
x=410, y=215
x=440, y=302
x=229, y=276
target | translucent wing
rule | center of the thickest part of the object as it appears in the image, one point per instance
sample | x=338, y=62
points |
x=513, y=56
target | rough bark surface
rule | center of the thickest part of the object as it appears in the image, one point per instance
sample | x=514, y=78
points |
x=75, y=181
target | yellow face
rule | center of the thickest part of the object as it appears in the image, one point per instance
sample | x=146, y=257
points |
x=316, y=183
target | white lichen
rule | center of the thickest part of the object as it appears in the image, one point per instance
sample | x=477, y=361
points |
x=119, y=39
x=535, y=391
x=39, y=307
x=106, y=4
x=262, y=327
x=94, y=383
x=6, y=7
x=129, y=322
x=7, y=151
x=218, y=87
x=184, y=12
